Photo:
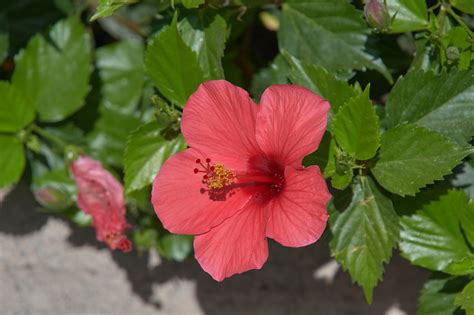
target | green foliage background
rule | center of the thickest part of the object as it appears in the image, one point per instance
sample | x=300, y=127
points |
x=110, y=79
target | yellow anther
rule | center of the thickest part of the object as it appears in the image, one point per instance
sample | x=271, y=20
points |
x=220, y=178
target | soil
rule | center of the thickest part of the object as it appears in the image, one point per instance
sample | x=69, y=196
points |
x=48, y=266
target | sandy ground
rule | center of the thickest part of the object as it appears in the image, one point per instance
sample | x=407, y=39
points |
x=48, y=266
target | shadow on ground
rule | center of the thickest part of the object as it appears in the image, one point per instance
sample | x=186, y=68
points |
x=285, y=285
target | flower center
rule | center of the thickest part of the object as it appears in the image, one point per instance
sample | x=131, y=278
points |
x=221, y=181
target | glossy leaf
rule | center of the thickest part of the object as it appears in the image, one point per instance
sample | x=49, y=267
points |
x=412, y=157
x=320, y=81
x=108, y=139
x=438, y=295
x=275, y=73
x=205, y=33
x=122, y=75
x=466, y=215
x=12, y=160
x=464, y=5
x=46, y=74
x=410, y=15
x=465, y=299
x=365, y=234
x=432, y=237
x=176, y=247
x=108, y=7
x=15, y=111
x=173, y=66
x=356, y=127
x=440, y=102
x=328, y=33
x=146, y=151
x=192, y=3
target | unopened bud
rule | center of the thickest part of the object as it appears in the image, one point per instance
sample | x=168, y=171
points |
x=376, y=14
x=52, y=198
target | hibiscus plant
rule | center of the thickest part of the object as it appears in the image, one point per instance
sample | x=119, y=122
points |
x=207, y=128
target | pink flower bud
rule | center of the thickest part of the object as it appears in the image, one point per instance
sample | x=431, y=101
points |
x=377, y=16
x=52, y=198
x=100, y=195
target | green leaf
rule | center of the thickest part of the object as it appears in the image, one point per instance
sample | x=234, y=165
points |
x=465, y=180
x=176, y=247
x=146, y=151
x=356, y=127
x=275, y=73
x=122, y=75
x=108, y=7
x=3, y=46
x=205, y=33
x=192, y=3
x=173, y=66
x=15, y=111
x=108, y=139
x=328, y=33
x=466, y=215
x=365, y=234
x=443, y=103
x=320, y=81
x=54, y=73
x=465, y=299
x=464, y=5
x=340, y=180
x=412, y=157
x=12, y=160
x=410, y=15
x=432, y=237
x=438, y=294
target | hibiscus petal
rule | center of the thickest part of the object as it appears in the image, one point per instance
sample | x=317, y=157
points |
x=290, y=123
x=235, y=246
x=220, y=118
x=298, y=214
x=179, y=203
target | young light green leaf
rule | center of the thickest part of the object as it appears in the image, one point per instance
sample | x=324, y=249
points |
x=465, y=299
x=122, y=75
x=356, y=127
x=108, y=7
x=444, y=103
x=329, y=33
x=412, y=157
x=15, y=111
x=438, y=294
x=275, y=73
x=205, y=33
x=108, y=139
x=190, y=4
x=173, y=66
x=432, y=237
x=146, y=151
x=365, y=234
x=12, y=160
x=410, y=15
x=320, y=81
x=55, y=76
x=464, y=5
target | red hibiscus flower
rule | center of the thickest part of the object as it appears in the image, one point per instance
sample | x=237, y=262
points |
x=242, y=181
x=100, y=195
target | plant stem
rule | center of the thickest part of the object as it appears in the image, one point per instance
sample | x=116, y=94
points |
x=49, y=136
x=460, y=21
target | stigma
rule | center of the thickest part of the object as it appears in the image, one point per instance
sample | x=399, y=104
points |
x=216, y=177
